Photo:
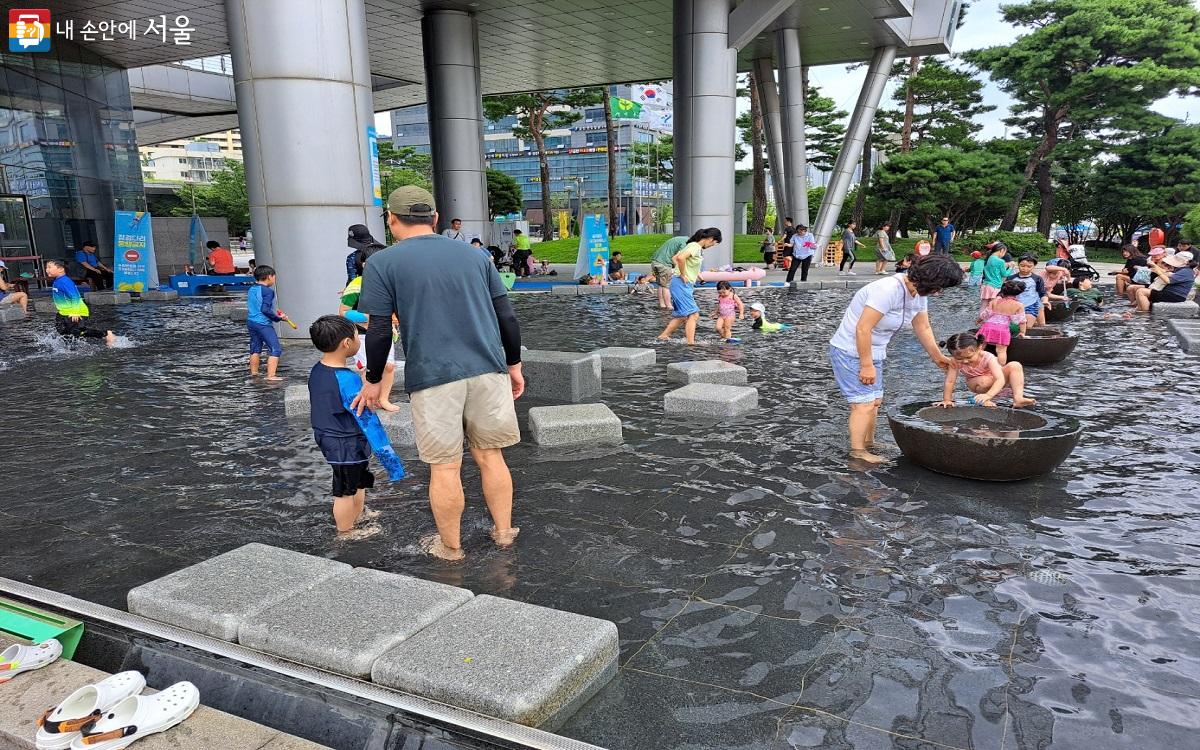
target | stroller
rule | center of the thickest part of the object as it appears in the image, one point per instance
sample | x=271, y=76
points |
x=1078, y=264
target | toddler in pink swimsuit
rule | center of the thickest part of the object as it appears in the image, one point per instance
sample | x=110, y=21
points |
x=729, y=306
x=986, y=377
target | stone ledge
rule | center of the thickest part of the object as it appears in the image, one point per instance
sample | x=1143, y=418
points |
x=561, y=376
x=707, y=371
x=1175, y=310
x=103, y=299
x=565, y=290
x=574, y=424
x=586, y=289
x=506, y=659
x=625, y=359
x=160, y=295
x=616, y=288
x=361, y=615
x=1187, y=332
x=10, y=313
x=710, y=400
x=214, y=597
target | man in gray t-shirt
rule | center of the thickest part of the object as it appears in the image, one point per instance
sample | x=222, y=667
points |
x=462, y=350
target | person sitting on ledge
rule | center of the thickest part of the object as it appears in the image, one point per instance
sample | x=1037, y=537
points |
x=10, y=294
x=220, y=259
x=1178, y=274
x=616, y=269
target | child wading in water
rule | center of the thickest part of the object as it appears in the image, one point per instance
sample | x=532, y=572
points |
x=261, y=316
x=759, y=312
x=1003, y=314
x=729, y=306
x=72, y=312
x=986, y=378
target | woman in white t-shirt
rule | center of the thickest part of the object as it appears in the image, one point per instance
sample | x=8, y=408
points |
x=859, y=347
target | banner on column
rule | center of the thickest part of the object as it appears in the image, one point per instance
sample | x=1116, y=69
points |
x=373, y=158
x=593, y=247
x=134, y=269
x=564, y=225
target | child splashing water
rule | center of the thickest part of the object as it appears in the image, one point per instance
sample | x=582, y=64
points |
x=986, y=378
x=729, y=305
x=1001, y=316
x=759, y=312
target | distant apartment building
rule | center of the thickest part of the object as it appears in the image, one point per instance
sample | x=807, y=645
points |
x=577, y=155
x=193, y=160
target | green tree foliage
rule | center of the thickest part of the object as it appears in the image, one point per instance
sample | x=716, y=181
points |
x=1019, y=243
x=1089, y=66
x=1154, y=180
x=971, y=187
x=823, y=130
x=653, y=161
x=945, y=102
x=224, y=196
x=504, y=193
x=1191, y=224
x=537, y=114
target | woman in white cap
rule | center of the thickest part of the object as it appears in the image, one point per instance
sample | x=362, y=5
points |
x=1178, y=274
x=9, y=293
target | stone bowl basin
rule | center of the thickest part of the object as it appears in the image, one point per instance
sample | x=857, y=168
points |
x=1042, y=345
x=1058, y=312
x=977, y=442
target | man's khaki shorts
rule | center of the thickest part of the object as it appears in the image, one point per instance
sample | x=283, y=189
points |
x=662, y=274
x=480, y=409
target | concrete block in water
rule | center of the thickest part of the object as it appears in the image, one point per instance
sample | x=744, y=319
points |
x=616, y=288
x=565, y=290
x=833, y=284
x=1175, y=310
x=585, y=289
x=1187, y=332
x=561, y=376
x=574, y=424
x=9, y=313
x=238, y=313
x=399, y=425
x=514, y=661
x=43, y=304
x=810, y=286
x=707, y=371
x=625, y=359
x=856, y=284
x=103, y=299
x=362, y=614
x=711, y=400
x=295, y=402
x=160, y=295
x=216, y=596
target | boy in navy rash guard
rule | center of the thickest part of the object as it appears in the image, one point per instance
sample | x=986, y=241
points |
x=260, y=319
x=336, y=430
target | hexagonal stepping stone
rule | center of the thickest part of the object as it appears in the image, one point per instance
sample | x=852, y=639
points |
x=103, y=299
x=514, y=661
x=362, y=614
x=216, y=596
x=707, y=371
x=711, y=400
x=573, y=424
x=9, y=313
x=160, y=295
x=1175, y=310
x=561, y=376
x=625, y=359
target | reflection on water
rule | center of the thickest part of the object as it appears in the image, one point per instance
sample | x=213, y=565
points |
x=978, y=428
x=765, y=595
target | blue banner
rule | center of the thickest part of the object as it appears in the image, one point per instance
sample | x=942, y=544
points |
x=197, y=240
x=593, y=247
x=373, y=158
x=134, y=269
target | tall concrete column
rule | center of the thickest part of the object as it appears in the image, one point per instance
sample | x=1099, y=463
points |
x=705, y=115
x=768, y=94
x=303, y=86
x=791, y=98
x=852, y=145
x=451, y=42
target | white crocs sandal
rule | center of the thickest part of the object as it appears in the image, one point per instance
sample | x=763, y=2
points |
x=17, y=658
x=61, y=725
x=139, y=716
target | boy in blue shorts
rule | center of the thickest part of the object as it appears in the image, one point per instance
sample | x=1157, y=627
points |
x=336, y=429
x=261, y=316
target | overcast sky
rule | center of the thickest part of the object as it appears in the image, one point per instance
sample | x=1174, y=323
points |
x=983, y=27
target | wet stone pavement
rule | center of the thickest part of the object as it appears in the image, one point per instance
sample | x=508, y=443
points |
x=766, y=595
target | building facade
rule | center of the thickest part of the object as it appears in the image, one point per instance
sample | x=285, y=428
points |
x=191, y=160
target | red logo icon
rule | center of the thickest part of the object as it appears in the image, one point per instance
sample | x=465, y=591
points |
x=133, y=256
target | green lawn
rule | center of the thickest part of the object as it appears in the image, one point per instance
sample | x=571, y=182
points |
x=637, y=248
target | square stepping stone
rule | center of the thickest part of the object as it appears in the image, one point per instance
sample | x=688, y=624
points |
x=399, y=425
x=9, y=313
x=514, y=661
x=160, y=295
x=103, y=299
x=707, y=371
x=295, y=402
x=565, y=290
x=585, y=289
x=216, y=596
x=711, y=400
x=344, y=624
x=1187, y=332
x=561, y=376
x=1175, y=310
x=616, y=289
x=574, y=424
x=625, y=359
x=238, y=313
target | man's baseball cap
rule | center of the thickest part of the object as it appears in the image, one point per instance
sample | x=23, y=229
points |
x=411, y=201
